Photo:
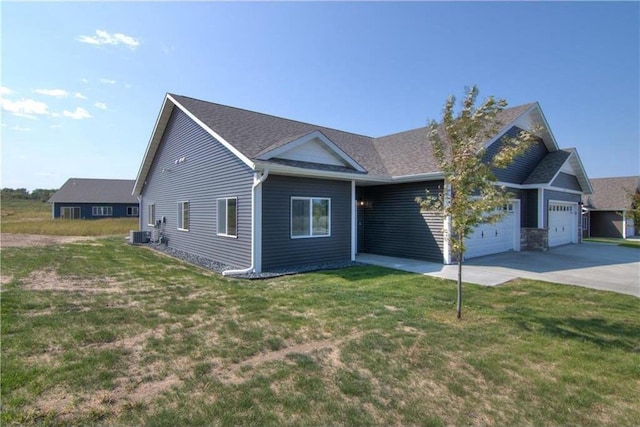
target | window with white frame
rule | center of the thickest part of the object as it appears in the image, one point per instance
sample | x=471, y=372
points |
x=310, y=217
x=151, y=214
x=102, y=210
x=183, y=216
x=228, y=217
x=132, y=211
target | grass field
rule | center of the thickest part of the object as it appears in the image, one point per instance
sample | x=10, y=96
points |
x=99, y=332
x=619, y=242
x=34, y=217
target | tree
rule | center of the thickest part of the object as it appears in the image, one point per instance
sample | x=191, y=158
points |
x=471, y=196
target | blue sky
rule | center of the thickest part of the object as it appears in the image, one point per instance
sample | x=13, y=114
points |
x=82, y=83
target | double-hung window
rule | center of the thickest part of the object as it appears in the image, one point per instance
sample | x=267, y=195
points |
x=102, y=210
x=228, y=217
x=151, y=212
x=183, y=216
x=310, y=217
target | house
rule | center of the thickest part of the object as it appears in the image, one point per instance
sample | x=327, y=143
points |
x=82, y=198
x=606, y=211
x=261, y=192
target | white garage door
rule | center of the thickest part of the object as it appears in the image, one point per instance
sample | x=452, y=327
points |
x=503, y=236
x=562, y=223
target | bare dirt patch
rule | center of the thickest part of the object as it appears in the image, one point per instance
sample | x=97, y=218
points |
x=49, y=280
x=9, y=240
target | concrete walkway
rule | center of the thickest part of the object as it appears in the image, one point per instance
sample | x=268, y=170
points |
x=591, y=265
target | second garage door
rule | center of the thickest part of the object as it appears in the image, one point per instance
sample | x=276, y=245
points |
x=562, y=223
x=487, y=239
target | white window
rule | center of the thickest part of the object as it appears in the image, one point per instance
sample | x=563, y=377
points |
x=151, y=212
x=101, y=210
x=228, y=217
x=183, y=216
x=310, y=217
x=132, y=211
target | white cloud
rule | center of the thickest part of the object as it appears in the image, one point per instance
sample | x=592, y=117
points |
x=101, y=105
x=79, y=114
x=107, y=81
x=84, y=80
x=5, y=90
x=103, y=37
x=55, y=126
x=79, y=95
x=25, y=107
x=19, y=128
x=58, y=93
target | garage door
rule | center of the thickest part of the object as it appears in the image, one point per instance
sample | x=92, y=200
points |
x=562, y=223
x=487, y=239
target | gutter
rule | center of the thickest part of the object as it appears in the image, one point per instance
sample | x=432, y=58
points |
x=257, y=181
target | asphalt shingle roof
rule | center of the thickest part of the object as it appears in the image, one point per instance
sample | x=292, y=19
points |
x=548, y=167
x=85, y=190
x=612, y=193
x=253, y=134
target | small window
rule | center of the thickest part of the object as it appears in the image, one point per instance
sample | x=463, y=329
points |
x=228, y=217
x=183, y=216
x=310, y=217
x=132, y=211
x=151, y=212
x=102, y=211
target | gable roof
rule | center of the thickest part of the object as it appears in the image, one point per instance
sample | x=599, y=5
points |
x=86, y=190
x=612, y=193
x=255, y=137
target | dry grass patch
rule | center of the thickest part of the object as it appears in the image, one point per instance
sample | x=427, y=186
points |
x=49, y=280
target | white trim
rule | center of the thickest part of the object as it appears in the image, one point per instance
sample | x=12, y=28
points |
x=151, y=206
x=536, y=186
x=446, y=247
x=541, y=208
x=180, y=216
x=354, y=222
x=574, y=217
x=211, y=132
x=226, y=209
x=316, y=134
x=310, y=200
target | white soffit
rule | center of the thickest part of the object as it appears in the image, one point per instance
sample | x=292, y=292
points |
x=313, y=147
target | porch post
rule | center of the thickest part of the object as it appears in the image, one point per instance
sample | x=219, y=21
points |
x=354, y=222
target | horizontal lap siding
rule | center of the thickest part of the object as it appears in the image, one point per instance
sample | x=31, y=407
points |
x=86, y=210
x=564, y=180
x=531, y=207
x=521, y=167
x=394, y=225
x=209, y=171
x=606, y=224
x=278, y=248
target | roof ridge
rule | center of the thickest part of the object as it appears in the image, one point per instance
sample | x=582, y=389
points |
x=272, y=115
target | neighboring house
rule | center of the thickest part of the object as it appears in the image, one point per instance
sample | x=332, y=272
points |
x=606, y=211
x=81, y=198
x=259, y=192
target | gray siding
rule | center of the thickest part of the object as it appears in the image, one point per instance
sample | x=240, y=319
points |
x=531, y=207
x=558, y=196
x=518, y=171
x=564, y=180
x=606, y=224
x=278, y=248
x=394, y=226
x=209, y=171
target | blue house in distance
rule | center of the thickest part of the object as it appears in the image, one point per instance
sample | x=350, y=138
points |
x=81, y=198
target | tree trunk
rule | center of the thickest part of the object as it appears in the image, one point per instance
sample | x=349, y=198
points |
x=459, y=300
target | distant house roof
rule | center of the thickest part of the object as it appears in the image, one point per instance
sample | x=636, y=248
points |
x=252, y=136
x=85, y=190
x=612, y=193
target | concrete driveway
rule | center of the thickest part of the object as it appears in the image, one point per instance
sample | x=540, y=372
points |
x=591, y=265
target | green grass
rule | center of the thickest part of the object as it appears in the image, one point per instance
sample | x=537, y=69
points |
x=34, y=217
x=99, y=332
x=619, y=242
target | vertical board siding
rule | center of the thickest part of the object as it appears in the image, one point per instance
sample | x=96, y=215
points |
x=520, y=169
x=558, y=196
x=394, y=225
x=209, y=171
x=278, y=248
x=565, y=180
x=86, y=209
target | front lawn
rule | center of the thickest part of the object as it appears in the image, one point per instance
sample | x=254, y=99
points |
x=99, y=332
x=620, y=242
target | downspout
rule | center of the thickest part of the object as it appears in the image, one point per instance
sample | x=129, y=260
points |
x=256, y=182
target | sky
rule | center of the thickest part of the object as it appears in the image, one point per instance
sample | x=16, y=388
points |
x=82, y=83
